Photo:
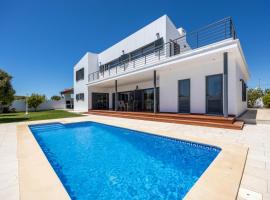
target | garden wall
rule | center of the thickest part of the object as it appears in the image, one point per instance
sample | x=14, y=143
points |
x=19, y=105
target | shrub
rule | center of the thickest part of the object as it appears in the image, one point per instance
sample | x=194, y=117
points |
x=35, y=100
x=56, y=98
x=253, y=95
x=266, y=100
x=267, y=91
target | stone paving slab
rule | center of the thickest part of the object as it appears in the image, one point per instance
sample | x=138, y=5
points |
x=9, y=185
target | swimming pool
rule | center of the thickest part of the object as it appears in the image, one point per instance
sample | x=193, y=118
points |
x=98, y=161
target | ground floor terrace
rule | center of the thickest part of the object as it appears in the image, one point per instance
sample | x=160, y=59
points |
x=26, y=174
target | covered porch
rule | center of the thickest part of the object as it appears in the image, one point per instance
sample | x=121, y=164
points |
x=136, y=93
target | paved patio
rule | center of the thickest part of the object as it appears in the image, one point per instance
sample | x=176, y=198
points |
x=256, y=116
x=256, y=175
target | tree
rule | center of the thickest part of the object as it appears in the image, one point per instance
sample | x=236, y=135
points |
x=266, y=91
x=55, y=98
x=35, y=100
x=266, y=100
x=6, y=90
x=253, y=95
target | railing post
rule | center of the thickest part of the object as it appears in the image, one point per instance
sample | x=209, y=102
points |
x=170, y=48
x=179, y=47
x=145, y=59
x=159, y=54
x=109, y=70
x=232, y=29
x=133, y=63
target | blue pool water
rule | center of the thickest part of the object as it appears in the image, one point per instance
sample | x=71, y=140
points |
x=97, y=161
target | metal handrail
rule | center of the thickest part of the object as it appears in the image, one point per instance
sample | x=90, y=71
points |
x=214, y=32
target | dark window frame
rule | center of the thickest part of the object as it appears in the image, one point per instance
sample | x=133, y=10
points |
x=80, y=97
x=244, y=91
x=179, y=95
x=206, y=95
x=80, y=74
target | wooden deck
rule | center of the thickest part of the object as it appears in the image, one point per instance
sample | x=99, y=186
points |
x=190, y=119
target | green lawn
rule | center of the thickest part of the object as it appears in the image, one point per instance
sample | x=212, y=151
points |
x=40, y=115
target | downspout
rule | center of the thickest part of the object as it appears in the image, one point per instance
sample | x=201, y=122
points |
x=225, y=84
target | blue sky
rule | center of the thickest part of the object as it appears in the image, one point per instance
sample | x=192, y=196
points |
x=40, y=41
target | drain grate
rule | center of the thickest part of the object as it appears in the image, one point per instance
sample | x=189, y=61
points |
x=246, y=194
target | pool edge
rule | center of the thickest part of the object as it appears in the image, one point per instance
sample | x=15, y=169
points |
x=221, y=179
x=37, y=179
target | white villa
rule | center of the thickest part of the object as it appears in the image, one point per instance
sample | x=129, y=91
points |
x=162, y=68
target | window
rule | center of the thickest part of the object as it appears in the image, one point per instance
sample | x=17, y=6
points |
x=80, y=74
x=136, y=54
x=80, y=97
x=244, y=91
x=159, y=43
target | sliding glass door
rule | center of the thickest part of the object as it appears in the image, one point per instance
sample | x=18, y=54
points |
x=100, y=101
x=184, y=96
x=214, y=94
x=137, y=100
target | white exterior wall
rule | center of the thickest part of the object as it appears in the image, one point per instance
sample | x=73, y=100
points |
x=241, y=105
x=89, y=63
x=236, y=105
x=196, y=71
x=171, y=31
x=137, y=40
x=19, y=105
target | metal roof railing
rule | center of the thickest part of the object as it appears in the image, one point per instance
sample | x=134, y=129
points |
x=212, y=33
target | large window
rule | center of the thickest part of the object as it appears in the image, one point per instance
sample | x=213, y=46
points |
x=80, y=97
x=214, y=94
x=80, y=74
x=244, y=91
x=184, y=96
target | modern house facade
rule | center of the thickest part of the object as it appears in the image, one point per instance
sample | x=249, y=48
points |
x=161, y=68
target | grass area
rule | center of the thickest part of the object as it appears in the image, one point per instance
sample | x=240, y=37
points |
x=32, y=116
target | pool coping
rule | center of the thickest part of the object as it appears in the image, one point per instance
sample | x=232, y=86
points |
x=38, y=180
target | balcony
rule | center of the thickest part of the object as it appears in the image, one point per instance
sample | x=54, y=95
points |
x=210, y=34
